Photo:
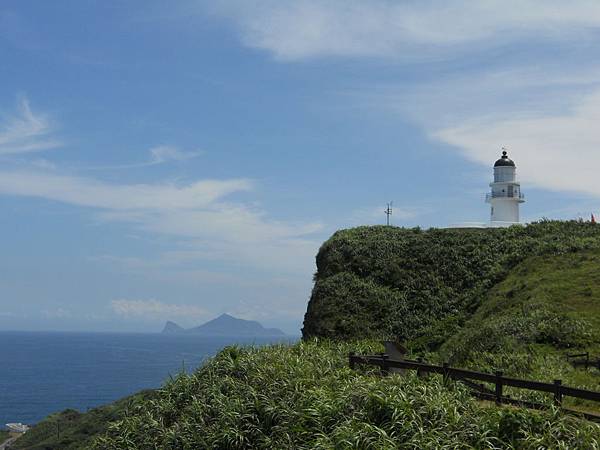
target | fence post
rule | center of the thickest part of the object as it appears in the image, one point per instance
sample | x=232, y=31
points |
x=558, y=392
x=420, y=361
x=587, y=360
x=499, y=374
x=384, y=367
x=446, y=367
x=351, y=360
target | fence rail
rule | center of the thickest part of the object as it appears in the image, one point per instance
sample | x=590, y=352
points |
x=497, y=379
x=586, y=361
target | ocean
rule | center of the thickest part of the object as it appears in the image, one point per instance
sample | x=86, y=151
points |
x=46, y=372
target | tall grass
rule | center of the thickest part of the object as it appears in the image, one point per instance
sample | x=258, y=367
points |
x=305, y=397
x=421, y=286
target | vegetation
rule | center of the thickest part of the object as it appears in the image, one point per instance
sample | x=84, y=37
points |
x=70, y=429
x=306, y=397
x=4, y=435
x=545, y=309
x=422, y=286
x=516, y=299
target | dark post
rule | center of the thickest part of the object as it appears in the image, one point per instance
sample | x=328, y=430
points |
x=558, y=392
x=351, y=360
x=499, y=386
x=419, y=373
x=384, y=367
x=446, y=367
x=587, y=359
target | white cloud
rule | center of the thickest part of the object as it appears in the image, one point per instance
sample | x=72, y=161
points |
x=546, y=109
x=125, y=197
x=555, y=151
x=25, y=131
x=300, y=29
x=212, y=229
x=268, y=310
x=546, y=115
x=158, y=155
x=154, y=309
x=166, y=153
x=58, y=313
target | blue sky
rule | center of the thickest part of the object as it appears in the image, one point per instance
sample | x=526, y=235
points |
x=177, y=160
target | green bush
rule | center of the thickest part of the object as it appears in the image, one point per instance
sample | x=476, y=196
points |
x=422, y=286
x=305, y=397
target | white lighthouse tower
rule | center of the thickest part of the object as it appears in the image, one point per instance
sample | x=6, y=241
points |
x=505, y=196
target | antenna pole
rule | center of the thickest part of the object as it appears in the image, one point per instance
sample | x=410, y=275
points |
x=388, y=213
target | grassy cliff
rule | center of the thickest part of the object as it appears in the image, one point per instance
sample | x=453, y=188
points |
x=544, y=304
x=422, y=286
x=514, y=299
x=306, y=397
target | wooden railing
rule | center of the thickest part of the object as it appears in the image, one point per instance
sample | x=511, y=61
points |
x=498, y=380
x=584, y=360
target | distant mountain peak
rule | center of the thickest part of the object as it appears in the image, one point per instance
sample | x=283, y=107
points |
x=226, y=325
x=172, y=327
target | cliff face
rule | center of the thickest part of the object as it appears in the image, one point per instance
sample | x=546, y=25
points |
x=422, y=286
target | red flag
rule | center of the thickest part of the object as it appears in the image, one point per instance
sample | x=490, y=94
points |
x=593, y=218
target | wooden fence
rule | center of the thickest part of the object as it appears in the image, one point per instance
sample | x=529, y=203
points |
x=557, y=389
x=583, y=360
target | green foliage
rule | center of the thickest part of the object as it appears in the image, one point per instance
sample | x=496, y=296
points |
x=421, y=286
x=305, y=397
x=543, y=310
x=551, y=303
x=70, y=429
x=4, y=435
x=515, y=299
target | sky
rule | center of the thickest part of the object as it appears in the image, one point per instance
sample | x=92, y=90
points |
x=179, y=160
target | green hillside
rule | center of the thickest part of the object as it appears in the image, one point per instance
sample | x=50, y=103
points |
x=544, y=303
x=546, y=308
x=4, y=435
x=70, y=429
x=305, y=397
x=515, y=299
x=422, y=286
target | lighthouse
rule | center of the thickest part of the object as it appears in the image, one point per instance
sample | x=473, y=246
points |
x=505, y=196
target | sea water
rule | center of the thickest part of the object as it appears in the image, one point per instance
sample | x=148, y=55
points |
x=42, y=373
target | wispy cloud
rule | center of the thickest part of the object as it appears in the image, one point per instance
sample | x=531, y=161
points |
x=25, y=131
x=213, y=229
x=387, y=28
x=161, y=154
x=546, y=111
x=200, y=214
x=154, y=309
x=58, y=313
x=90, y=192
x=565, y=144
x=166, y=153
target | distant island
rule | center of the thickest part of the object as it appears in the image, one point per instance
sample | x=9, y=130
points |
x=225, y=325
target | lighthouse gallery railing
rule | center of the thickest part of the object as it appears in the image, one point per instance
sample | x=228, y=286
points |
x=491, y=195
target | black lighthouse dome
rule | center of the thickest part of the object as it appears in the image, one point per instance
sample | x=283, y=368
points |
x=505, y=161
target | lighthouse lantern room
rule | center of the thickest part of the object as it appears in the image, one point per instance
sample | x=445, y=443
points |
x=505, y=196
